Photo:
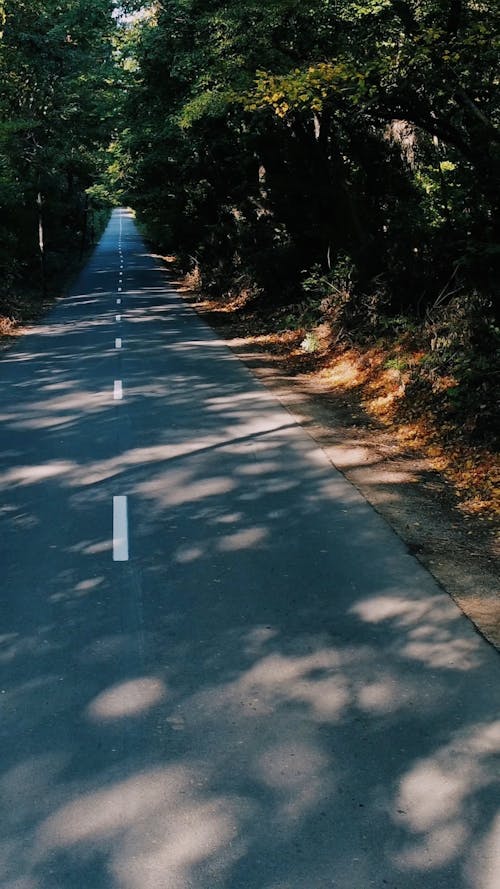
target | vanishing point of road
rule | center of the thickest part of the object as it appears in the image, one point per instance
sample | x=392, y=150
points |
x=220, y=668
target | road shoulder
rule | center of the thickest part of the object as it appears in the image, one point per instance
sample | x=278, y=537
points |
x=460, y=551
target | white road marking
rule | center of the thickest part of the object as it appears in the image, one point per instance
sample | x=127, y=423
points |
x=118, y=342
x=120, y=529
x=118, y=390
x=118, y=301
x=118, y=317
x=119, y=290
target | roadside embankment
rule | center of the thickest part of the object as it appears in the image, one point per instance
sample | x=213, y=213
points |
x=436, y=488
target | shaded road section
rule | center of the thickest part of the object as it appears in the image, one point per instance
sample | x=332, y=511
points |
x=220, y=669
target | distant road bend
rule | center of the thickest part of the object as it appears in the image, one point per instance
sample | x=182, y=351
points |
x=220, y=668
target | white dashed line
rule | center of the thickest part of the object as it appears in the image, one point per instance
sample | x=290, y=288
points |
x=120, y=529
x=118, y=317
x=118, y=342
x=118, y=390
x=118, y=301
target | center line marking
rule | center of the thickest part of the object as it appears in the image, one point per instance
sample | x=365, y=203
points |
x=119, y=290
x=120, y=529
x=118, y=342
x=118, y=390
x=118, y=301
x=118, y=317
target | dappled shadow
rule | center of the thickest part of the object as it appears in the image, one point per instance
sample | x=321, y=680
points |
x=272, y=693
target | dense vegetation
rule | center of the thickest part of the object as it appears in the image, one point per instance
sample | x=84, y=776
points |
x=342, y=156
x=56, y=116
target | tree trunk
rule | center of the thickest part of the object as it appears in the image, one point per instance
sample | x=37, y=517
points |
x=83, y=242
x=41, y=244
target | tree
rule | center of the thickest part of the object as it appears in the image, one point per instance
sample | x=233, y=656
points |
x=56, y=117
x=267, y=139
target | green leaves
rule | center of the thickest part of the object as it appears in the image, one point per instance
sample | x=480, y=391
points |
x=306, y=89
x=56, y=112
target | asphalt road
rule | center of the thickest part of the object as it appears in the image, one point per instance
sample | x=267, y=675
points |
x=220, y=669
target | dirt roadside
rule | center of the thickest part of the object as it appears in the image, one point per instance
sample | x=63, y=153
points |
x=460, y=551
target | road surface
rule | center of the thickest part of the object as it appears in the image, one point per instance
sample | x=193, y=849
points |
x=220, y=668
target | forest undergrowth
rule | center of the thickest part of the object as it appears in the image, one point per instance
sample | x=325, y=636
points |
x=439, y=401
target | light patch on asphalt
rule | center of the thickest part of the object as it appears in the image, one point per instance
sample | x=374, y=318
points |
x=123, y=822
x=31, y=475
x=189, y=554
x=246, y=539
x=299, y=773
x=181, y=490
x=118, y=390
x=120, y=529
x=434, y=804
x=127, y=699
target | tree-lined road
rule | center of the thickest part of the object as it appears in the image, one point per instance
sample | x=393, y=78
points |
x=220, y=668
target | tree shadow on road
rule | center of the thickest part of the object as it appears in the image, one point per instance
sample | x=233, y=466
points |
x=272, y=693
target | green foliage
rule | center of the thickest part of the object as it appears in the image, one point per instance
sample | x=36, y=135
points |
x=57, y=105
x=264, y=139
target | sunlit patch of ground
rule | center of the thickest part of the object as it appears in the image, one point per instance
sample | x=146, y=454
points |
x=16, y=311
x=370, y=376
x=473, y=471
